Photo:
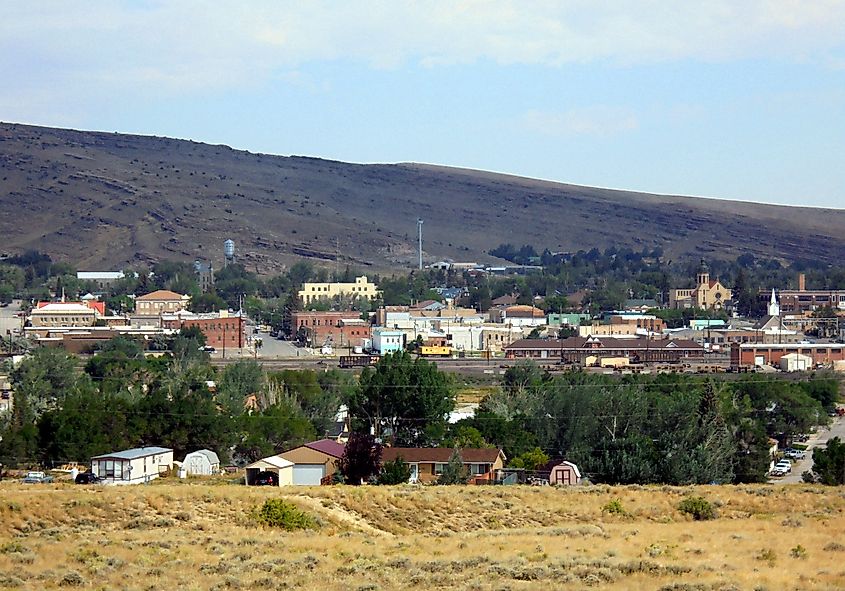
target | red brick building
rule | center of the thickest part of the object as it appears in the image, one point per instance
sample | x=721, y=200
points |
x=342, y=329
x=754, y=354
x=222, y=330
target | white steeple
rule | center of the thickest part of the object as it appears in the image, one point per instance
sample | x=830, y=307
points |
x=774, y=308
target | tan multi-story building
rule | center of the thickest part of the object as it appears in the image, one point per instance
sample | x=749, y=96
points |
x=160, y=302
x=708, y=293
x=66, y=314
x=361, y=288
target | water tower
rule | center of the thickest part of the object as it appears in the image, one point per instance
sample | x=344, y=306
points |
x=228, y=252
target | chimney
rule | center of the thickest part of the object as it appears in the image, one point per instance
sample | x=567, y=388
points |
x=802, y=282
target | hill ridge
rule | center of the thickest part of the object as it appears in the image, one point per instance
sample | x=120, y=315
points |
x=101, y=199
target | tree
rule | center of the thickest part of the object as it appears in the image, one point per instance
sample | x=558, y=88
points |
x=275, y=429
x=530, y=460
x=361, y=459
x=406, y=399
x=454, y=472
x=207, y=302
x=239, y=380
x=395, y=472
x=829, y=463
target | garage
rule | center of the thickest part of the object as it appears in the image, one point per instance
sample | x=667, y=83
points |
x=308, y=473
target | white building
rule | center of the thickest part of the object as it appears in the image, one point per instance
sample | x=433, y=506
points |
x=132, y=466
x=203, y=462
x=103, y=279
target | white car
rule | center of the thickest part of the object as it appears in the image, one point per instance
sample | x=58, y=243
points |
x=784, y=465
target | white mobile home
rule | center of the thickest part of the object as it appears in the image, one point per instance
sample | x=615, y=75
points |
x=201, y=463
x=132, y=466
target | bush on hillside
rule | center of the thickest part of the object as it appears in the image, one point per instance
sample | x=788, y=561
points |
x=698, y=507
x=279, y=513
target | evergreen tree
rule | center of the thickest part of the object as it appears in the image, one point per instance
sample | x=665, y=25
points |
x=454, y=472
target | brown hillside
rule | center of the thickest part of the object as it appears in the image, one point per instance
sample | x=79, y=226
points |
x=102, y=200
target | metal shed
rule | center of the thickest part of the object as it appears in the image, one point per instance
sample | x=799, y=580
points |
x=203, y=462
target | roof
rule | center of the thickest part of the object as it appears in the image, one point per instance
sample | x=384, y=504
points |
x=524, y=312
x=99, y=275
x=505, y=300
x=134, y=453
x=440, y=455
x=161, y=294
x=212, y=457
x=271, y=462
x=330, y=447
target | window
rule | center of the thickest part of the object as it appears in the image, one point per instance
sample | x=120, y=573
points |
x=478, y=469
x=438, y=468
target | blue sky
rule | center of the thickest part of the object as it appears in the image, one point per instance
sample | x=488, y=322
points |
x=741, y=100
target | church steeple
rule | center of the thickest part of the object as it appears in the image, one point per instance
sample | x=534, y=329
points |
x=703, y=273
x=774, y=307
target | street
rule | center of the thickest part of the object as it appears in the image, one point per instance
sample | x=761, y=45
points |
x=819, y=439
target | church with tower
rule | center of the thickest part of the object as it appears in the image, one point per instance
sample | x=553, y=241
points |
x=708, y=293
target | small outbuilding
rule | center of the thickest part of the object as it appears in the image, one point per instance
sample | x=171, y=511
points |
x=796, y=362
x=203, y=462
x=274, y=465
x=564, y=473
x=132, y=466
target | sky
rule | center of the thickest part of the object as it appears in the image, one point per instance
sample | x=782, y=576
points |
x=728, y=99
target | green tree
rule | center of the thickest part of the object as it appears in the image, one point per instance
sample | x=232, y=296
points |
x=454, y=472
x=829, y=463
x=530, y=460
x=207, y=302
x=272, y=431
x=395, y=472
x=405, y=398
x=239, y=380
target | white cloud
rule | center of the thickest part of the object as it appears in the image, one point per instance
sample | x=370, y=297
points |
x=601, y=121
x=72, y=48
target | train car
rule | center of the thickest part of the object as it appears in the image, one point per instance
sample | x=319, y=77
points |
x=347, y=361
x=430, y=351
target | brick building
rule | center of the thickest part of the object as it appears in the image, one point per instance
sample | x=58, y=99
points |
x=753, y=354
x=803, y=300
x=222, y=330
x=579, y=349
x=341, y=329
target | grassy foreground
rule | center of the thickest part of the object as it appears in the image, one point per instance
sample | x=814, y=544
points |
x=200, y=535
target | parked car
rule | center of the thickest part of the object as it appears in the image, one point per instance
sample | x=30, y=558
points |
x=784, y=465
x=37, y=478
x=87, y=478
x=777, y=472
x=266, y=479
x=208, y=349
x=795, y=454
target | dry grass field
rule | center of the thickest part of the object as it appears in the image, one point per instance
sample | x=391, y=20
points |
x=201, y=535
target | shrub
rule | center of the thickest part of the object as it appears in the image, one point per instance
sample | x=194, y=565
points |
x=698, y=507
x=279, y=513
x=798, y=551
x=614, y=507
x=395, y=472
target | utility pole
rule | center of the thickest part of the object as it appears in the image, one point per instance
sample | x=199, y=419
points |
x=419, y=234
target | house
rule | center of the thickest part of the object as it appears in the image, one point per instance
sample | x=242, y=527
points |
x=563, y=473
x=312, y=462
x=203, y=462
x=708, y=293
x=132, y=466
x=427, y=463
x=161, y=301
x=280, y=468
x=387, y=340
x=361, y=288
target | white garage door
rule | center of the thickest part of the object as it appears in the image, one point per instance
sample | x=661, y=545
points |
x=308, y=473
